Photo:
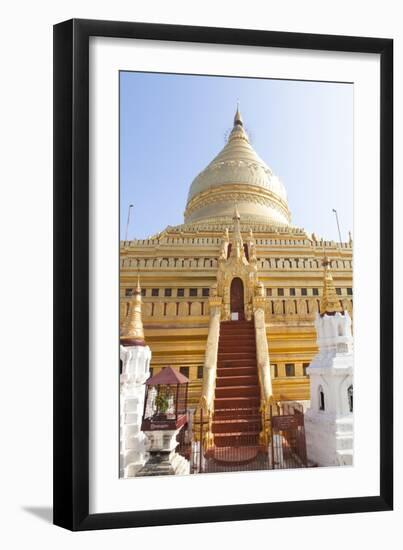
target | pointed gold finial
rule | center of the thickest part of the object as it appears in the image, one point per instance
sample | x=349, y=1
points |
x=329, y=303
x=132, y=330
x=238, y=117
x=238, y=131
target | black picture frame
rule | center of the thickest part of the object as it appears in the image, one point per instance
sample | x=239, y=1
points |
x=71, y=273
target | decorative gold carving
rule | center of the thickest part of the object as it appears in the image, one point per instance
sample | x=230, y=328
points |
x=265, y=433
x=224, y=245
x=251, y=248
x=289, y=307
x=259, y=290
x=238, y=266
x=195, y=308
x=302, y=307
x=158, y=309
x=215, y=302
x=171, y=309
x=241, y=193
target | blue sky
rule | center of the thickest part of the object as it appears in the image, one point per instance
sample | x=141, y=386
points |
x=171, y=127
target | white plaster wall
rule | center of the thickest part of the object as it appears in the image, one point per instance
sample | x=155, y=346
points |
x=135, y=371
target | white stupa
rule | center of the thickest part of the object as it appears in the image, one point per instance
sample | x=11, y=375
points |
x=329, y=420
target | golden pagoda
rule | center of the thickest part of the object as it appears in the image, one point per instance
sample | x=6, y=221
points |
x=186, y=270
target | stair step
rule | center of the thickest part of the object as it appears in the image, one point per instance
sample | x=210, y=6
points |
x=229, y=358
x=245, y=362
x=236, y=433
x=234, y=359
x=237, y=391
x=233, y=330
x=230, y=334
x=239, y=413
x=237, y=346
x=236, y=351
x=232, y=323
x=230, y=341
x=242, y=362
x=235, y=402
x=236, y=355
x=237, y=439
x=235, y=371
x=231, y=373
x=242, y=455
x=236, y=425
x=237, y=380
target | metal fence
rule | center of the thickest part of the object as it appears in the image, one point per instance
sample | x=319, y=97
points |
x=236, y=443
x=288, y=445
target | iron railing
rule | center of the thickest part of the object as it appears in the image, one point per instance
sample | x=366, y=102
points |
x=288, y=445
x=236, y=442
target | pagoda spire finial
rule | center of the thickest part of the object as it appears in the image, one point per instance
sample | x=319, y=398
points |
x=238, y=131
x=238, y=117
x=132, y=331
x=329, y=303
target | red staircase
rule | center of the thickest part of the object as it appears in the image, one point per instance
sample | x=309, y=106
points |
x=236, y=421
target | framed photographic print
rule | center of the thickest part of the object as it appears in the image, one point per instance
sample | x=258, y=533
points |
x=223, y=328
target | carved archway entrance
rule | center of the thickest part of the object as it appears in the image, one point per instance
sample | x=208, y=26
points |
x=237, y=298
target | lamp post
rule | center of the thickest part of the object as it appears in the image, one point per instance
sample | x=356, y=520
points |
x=128, y=220
x=338, y=226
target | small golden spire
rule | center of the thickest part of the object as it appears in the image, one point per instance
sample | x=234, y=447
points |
x=238, y=131
x=329, y=303
x=238, y=117
x=132, y=330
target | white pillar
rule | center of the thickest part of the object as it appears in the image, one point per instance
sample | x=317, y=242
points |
x=210, y=358
x=135, y=371
x=329, y=420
